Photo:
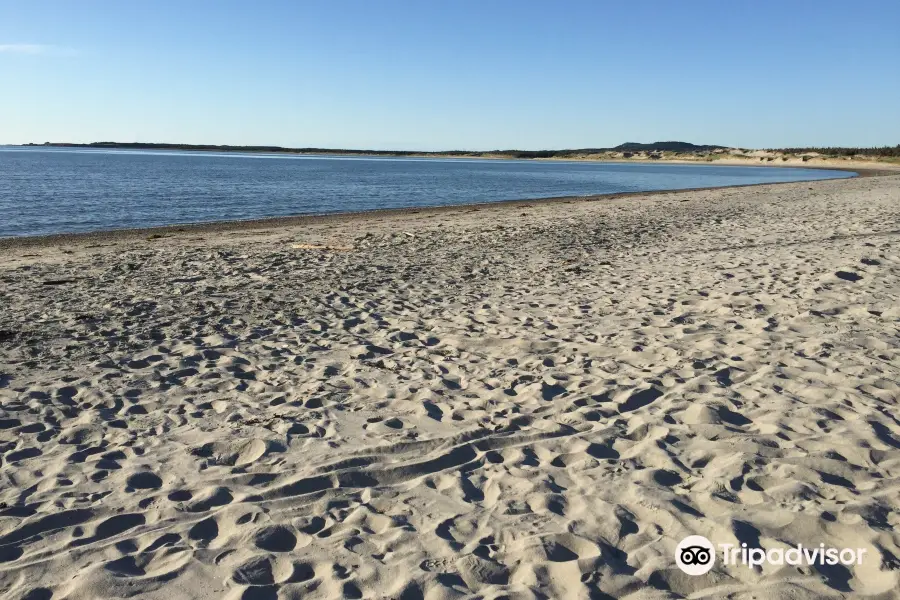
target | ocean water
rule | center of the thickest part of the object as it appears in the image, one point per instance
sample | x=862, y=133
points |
x=45, y=191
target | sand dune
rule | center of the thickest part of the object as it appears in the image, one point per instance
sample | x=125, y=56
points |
x=518, y=401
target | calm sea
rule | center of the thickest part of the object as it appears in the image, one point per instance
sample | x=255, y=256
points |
x=45, y=191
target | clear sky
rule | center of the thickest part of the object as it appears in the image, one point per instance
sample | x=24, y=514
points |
x=426, y=75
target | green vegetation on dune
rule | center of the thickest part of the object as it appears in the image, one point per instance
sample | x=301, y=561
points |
x=883, y=151
x=678, y=147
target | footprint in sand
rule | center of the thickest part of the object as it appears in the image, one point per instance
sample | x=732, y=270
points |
x=232, y=453
x=379, y=425
x=275, y=538
x=204, y=531
x=144, y=480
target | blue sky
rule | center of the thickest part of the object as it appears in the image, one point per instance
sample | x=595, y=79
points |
x=441, y=75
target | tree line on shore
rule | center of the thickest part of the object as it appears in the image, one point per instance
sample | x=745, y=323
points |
x=893, y=151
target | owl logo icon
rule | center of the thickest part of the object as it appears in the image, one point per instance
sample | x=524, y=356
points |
x=695, y=555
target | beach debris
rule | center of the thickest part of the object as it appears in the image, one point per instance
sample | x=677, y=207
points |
x=848, y=276
x=322, y=247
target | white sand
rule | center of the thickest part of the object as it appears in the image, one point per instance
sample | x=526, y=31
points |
x=522, y=401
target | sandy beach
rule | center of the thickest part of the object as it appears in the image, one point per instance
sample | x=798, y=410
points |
x=527, y=400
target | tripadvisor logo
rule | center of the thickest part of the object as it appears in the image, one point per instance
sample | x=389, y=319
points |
x=696, y=555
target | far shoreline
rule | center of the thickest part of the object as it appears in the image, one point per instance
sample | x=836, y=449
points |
x=840, y=164
x=861, y=168
x=286, y=221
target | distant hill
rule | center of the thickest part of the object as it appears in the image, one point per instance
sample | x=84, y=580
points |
x=665, y=147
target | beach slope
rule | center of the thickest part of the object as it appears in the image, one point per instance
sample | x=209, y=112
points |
x=525, y=400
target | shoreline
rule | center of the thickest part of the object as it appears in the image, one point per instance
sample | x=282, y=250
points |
x=688, y=158
x=817, y=162
x=124, y=234
x=591, y=154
